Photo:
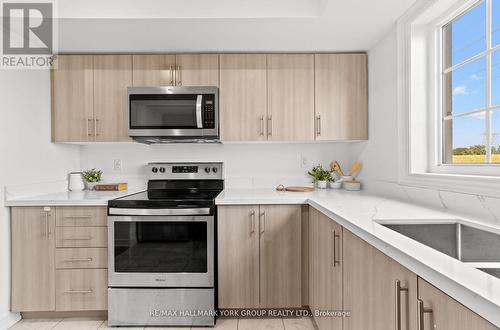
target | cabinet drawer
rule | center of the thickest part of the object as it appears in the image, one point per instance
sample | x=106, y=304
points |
x=81, y=258
x=81, y=237
x=81, y=216
x=81, y=289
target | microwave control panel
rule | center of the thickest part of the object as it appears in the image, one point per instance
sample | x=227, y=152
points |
x=209, y=111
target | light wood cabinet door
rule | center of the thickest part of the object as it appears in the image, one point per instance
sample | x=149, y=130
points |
x=290, y=97
x=341, y=96
x=112, y=76
x=153, y=70
x=280, y=256
x=33, y=265
x=197, y=70
x=447, y=313
x=243, y=97
x=238, y=256
x=370, y=290
x=326, y=269
x=72, y=99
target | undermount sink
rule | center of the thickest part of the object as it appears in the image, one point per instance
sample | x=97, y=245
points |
x=477, y=247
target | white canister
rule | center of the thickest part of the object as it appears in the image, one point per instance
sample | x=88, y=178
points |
x=75, y=182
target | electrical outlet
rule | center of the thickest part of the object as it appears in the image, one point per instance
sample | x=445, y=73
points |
x=117, y=164
x=303, y=161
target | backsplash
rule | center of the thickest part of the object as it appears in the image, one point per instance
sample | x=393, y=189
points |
x=246, y=165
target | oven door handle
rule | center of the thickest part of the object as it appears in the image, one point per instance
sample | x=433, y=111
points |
x=193, y=211
x=199, y=100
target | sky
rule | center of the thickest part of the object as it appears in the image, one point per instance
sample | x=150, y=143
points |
x=469, y=81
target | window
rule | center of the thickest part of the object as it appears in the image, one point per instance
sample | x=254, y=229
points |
x=470, y=79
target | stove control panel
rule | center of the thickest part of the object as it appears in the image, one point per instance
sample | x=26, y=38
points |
x=184, y=171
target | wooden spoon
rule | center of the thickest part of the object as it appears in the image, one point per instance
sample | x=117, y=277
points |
x=354, y=168
x=335, y=166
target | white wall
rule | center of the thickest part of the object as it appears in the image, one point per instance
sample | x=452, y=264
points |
x=27, y=156
x=380, y=153
x=246, y=165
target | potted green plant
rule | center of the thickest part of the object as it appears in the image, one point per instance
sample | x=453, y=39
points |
x=320, y=176
x=92, y=178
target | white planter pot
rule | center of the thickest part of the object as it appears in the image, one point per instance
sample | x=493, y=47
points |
x=321, y=184
x=91, y=185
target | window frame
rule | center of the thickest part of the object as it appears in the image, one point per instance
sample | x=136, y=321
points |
x=419, y=109
x=489, y=107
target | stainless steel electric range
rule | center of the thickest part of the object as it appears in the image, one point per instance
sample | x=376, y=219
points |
x=161, y=246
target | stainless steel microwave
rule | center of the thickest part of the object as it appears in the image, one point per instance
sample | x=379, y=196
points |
x=173, y=114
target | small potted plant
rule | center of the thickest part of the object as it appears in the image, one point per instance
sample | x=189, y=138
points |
x=92, y=178
x=320, y=176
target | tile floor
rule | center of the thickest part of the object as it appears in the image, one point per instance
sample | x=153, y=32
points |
x=222, y=324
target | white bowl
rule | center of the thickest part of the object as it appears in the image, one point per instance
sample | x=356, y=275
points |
x=336, y=185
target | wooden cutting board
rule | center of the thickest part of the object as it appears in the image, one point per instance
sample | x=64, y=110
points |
x=295, y=188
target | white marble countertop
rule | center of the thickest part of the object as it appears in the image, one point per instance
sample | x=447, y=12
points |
x=360, y=212
x=71, y=198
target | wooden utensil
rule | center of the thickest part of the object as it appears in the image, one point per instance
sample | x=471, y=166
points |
x=335, y=166
x=294, y=188
x=354, y=168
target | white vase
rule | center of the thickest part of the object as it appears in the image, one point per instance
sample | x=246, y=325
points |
x=321, y=184
x=75, y=182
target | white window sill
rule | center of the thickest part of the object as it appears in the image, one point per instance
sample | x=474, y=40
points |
x=468, y=184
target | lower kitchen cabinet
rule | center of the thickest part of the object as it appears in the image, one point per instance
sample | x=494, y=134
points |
x=378, y=291
x=33, y=269
x=259, y=256
x=325, y=269
x=437, y=310
x=59, y=265
x=238, y=256
x=280, y=256
x=81, y=289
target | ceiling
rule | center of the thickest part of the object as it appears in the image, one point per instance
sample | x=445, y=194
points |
x=224, y=25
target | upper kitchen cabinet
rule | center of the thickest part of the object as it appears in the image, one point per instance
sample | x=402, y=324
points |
x=153, y=70
x=243, y=97
x=341, y=97
x=72, y=99
x=112, y=76
x=290, y=97
x=196, y=70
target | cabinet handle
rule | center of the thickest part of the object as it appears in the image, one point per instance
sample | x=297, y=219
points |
x=171, y=76
x=46, y=223
x=78, y=217
x=78, y=239
x=78, y=260
x=252, y=222
x=421, y=312
x=261, y=125
x=89, y=124
x=318, y=125
x=96, y=133
x=270, y=125
x=178, y=74
x=398, y=288
x=79, y=291
x=262, y=220
x=335, y=261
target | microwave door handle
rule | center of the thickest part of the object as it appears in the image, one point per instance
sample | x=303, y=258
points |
x=199, y=99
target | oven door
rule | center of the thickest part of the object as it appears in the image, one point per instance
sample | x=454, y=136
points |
x=182, y=112
x=161, y=251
